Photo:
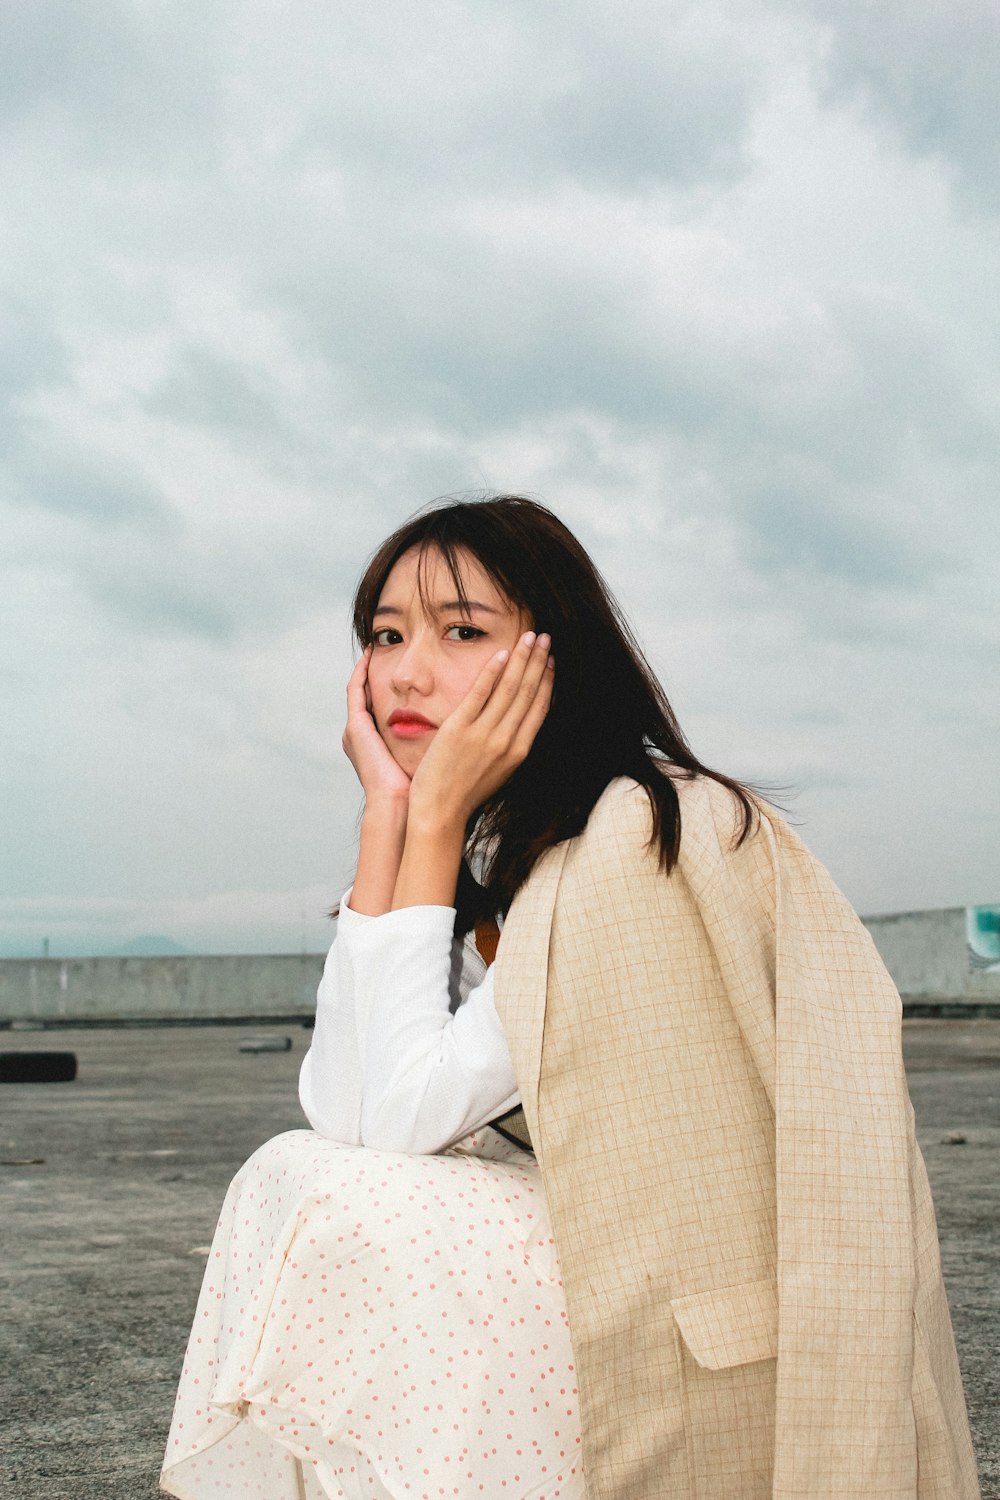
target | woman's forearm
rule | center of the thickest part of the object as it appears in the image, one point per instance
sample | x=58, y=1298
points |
x=383, y=834
x=432, y=854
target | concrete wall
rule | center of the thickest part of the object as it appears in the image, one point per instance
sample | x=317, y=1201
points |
x=184, y=988
x=924, y=951
x=926, y=954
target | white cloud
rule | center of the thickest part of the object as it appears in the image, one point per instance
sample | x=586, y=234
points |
x=929, y=71
x=279, y=275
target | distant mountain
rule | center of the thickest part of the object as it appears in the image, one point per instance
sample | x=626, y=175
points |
x=151, y=945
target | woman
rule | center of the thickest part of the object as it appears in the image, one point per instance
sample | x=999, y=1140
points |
x=686, y=1025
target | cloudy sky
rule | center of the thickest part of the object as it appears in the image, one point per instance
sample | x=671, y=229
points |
x=717, y=281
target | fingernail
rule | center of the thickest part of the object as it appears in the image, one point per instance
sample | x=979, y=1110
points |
x=528, y=639
x=551, y=661
x=502, y=655
x=544, y=639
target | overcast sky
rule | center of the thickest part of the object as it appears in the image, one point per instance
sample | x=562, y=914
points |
x=716, y=281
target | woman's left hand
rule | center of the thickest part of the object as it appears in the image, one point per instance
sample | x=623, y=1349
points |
x=489, y=734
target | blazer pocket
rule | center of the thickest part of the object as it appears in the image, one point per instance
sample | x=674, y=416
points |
x=734, y=1326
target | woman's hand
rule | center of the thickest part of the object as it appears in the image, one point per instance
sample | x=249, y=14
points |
x=380, y=775
x=487, y=736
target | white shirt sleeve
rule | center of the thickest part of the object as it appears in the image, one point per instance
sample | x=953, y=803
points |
x=330, y=1077
x=423, y=1077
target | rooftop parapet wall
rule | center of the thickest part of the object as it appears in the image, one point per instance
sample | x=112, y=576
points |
x=926, y=953
x=191, y=988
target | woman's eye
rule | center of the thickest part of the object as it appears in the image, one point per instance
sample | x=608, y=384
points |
x=466, y=632
x=387, y=630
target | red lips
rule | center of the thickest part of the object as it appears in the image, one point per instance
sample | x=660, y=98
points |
x=407, y=716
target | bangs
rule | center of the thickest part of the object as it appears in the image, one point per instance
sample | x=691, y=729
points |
x=448, y=549
x=438, y=533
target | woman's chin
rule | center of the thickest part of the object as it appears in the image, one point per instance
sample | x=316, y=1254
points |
x=408, y=755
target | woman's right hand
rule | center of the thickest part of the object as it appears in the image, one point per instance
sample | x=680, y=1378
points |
x=381, y=777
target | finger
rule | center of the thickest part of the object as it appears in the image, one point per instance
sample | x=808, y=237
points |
x=514, y=697
x=505, y=693
x=360, y=670
x=357, y=683
x=536, y=668
x=536, y=713
x=479, y=693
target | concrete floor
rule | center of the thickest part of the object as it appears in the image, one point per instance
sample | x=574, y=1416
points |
x=111, y=1185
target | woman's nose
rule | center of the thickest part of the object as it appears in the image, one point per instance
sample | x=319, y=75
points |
x=412, y=669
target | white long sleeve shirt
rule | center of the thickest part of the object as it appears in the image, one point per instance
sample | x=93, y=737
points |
x=408, y=1053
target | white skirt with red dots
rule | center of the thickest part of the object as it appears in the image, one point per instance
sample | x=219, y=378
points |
x=379, y=1326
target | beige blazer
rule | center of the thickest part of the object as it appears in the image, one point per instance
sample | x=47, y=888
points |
x=711, y=1072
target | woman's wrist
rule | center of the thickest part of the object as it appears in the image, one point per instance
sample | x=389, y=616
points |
x=385, y=814
x=437, y=826
x=433, y=817
x=428, y=871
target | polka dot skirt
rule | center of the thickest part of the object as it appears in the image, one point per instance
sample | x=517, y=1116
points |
x=379, y=1325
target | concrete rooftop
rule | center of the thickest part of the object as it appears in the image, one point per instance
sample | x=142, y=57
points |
x=111, y=1186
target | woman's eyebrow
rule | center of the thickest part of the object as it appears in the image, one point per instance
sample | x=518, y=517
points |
x=469, y=604
x=439, y=609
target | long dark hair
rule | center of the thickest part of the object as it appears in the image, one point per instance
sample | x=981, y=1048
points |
x=609, y=715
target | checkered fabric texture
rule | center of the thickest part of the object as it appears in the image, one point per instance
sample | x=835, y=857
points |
x=710, y=1067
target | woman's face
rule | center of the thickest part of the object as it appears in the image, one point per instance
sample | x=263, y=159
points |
x=423, y=664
